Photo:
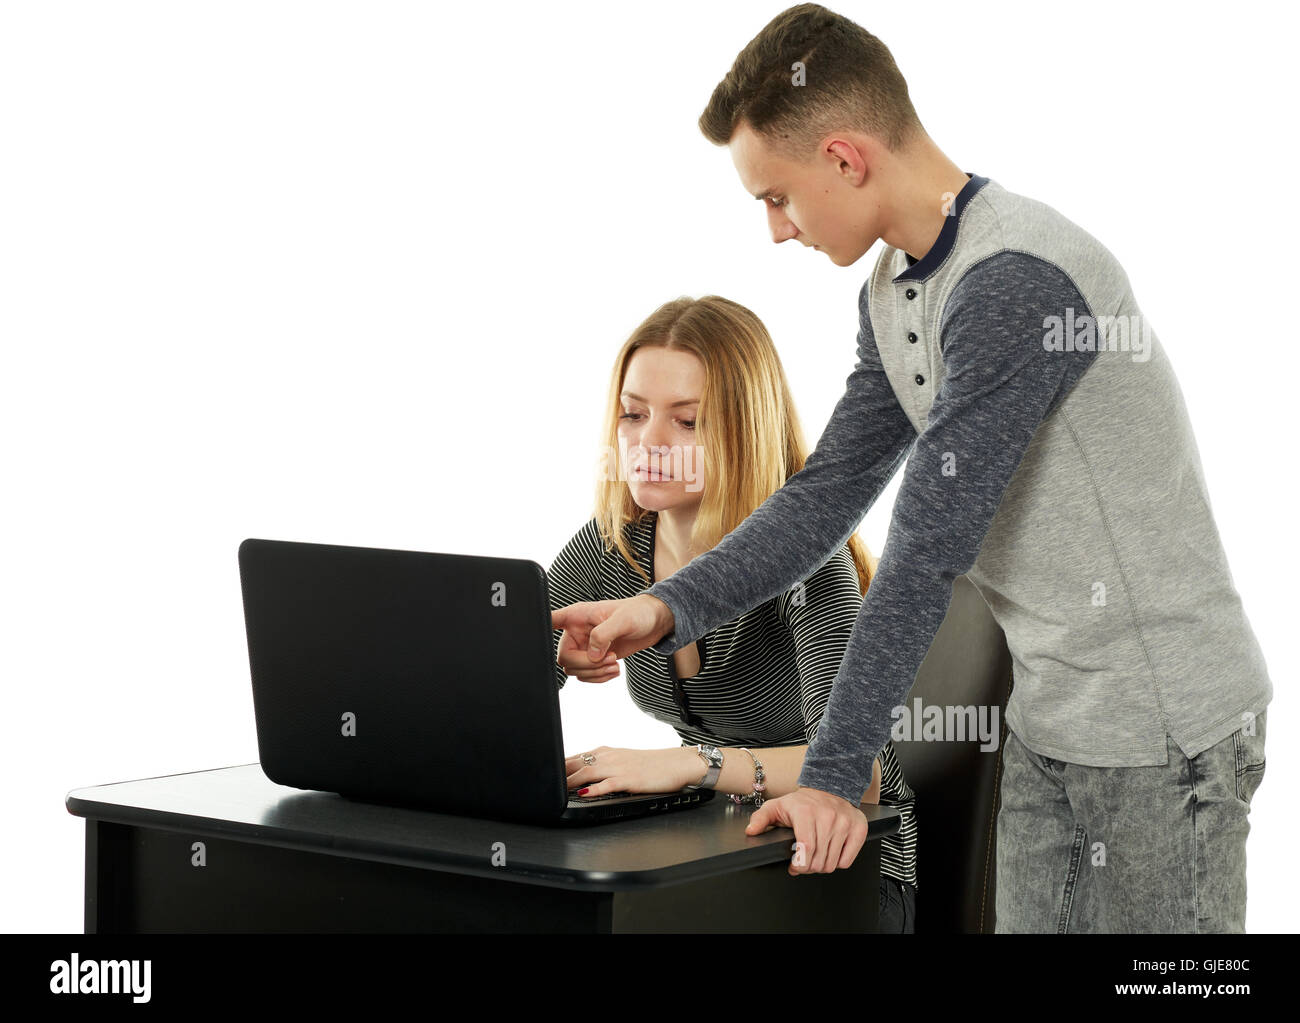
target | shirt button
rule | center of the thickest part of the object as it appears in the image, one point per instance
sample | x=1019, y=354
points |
x=911, y=337
x=911, y=293
x=920, y=379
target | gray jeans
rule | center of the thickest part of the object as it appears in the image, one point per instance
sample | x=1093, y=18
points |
x=1127, y=849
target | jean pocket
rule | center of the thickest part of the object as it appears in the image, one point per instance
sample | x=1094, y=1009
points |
x=1248, y=743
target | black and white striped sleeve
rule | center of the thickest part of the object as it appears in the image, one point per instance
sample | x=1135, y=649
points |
x=820, y=612
x=574, y=576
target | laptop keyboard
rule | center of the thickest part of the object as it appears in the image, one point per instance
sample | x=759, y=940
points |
x=662, y=800
x=576, y=800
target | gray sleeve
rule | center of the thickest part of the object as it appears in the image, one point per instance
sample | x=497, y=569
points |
x=1001, y=380
x=796, y=530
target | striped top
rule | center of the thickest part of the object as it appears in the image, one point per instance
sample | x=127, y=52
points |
x=764, y=677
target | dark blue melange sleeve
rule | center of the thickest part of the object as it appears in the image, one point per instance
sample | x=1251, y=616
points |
x=796, y=530
x=999, y=384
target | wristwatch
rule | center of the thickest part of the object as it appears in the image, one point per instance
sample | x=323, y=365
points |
x=712, y=756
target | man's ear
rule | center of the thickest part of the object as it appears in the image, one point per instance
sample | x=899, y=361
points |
x=851, y=157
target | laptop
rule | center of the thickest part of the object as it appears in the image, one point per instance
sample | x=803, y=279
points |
x=415, y=679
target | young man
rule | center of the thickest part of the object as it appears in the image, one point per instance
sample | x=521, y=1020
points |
x=1051, y=461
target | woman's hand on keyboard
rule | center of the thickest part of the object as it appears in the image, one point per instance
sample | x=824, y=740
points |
x=634, y=770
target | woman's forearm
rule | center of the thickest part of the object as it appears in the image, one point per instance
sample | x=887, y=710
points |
x=873, y=793
x=781, y=767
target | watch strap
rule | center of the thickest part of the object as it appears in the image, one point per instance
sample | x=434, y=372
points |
x=712, y=757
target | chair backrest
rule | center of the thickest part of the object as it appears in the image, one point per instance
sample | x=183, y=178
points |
x=956, y=783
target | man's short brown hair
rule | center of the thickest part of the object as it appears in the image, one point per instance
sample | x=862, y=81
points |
x=850, y=80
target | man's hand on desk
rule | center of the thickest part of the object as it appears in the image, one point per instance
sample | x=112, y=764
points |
x=620, y=627
x=829, y=831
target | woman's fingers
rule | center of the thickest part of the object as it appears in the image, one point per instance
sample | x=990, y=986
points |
x=578, y=664
x=598, y=788
x=589, y=778
x=576, y=775
x=601, y=674
x=570, y=653
x=579, y=774
x=572, y=656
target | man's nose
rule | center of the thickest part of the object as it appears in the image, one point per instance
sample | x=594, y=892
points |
x=779, y=223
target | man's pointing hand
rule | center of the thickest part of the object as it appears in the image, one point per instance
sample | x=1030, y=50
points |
x=621, y=626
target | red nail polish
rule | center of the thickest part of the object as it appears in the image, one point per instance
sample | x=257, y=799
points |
x=582, y=792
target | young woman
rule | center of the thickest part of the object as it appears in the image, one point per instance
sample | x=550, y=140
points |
x=701, y=428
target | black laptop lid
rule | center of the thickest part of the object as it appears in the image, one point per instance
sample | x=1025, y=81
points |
x=405, y=677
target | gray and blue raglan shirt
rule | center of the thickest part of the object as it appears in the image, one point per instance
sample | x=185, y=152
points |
x=1051, y=461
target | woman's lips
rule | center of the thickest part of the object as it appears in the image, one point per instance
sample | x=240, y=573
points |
x=651, y=477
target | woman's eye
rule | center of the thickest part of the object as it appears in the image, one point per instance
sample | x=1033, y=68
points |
x=777, y=203
x=689, y=424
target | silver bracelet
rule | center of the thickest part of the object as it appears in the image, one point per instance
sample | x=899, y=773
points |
x=756, y=797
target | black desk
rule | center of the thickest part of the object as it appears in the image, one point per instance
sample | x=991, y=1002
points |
x=277, y=859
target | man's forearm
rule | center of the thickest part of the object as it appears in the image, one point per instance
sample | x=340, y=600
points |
x=781, y=543
x=895, y=626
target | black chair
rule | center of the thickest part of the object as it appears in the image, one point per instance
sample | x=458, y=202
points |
x=956, y=783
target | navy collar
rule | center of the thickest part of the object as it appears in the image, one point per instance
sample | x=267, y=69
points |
x=920, y=269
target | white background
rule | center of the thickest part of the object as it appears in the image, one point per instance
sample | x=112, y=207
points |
x=356, y=273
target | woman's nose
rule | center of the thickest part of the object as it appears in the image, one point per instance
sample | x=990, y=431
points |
x=659, y=456
x=657, y=433
x=658, y=451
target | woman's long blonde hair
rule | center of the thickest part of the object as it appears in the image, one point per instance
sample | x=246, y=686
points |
x=746, y=424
